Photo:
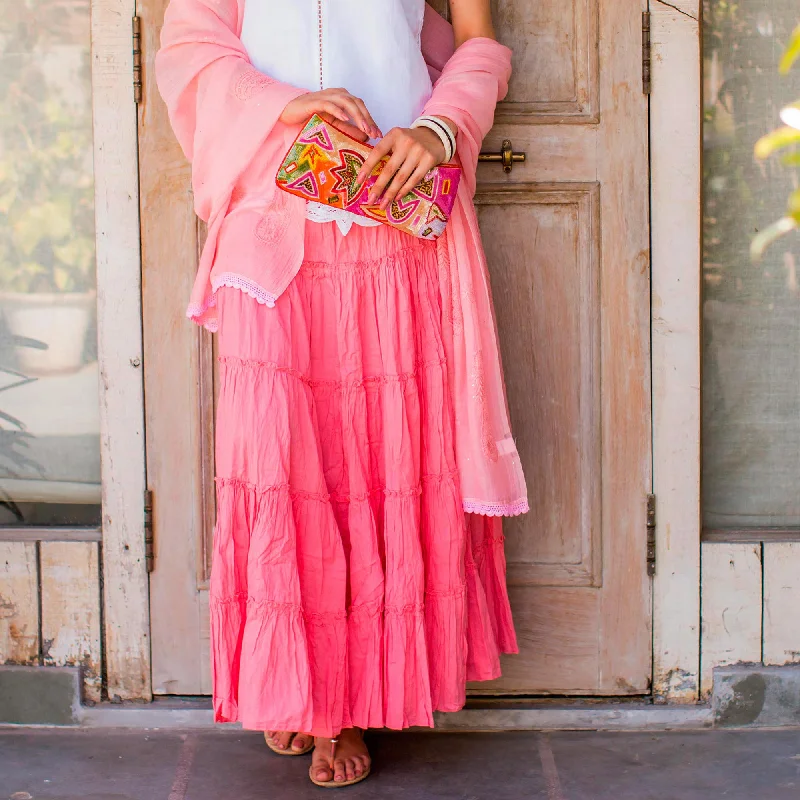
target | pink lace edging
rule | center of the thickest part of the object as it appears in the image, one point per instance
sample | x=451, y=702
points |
x=496, y=509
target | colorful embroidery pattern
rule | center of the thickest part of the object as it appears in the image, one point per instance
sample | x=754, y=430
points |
x=323, y=163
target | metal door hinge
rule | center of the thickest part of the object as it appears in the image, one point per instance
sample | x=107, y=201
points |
x=137, y=60
x=149, y=538
x=651, y=534
x=646, y=53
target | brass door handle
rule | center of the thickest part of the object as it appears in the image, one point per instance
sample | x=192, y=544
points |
x=506, y=156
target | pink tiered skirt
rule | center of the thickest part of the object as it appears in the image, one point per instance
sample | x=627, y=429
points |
x=348, y=585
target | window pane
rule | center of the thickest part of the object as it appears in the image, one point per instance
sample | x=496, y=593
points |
x=751, y=312
x=49, y=437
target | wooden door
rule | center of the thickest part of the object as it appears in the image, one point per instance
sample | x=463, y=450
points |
x=567, y=239
x=566, y=234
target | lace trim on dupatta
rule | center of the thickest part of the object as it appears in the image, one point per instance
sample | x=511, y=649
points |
x=496, y=509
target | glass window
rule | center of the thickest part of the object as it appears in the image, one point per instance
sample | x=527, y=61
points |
x=751, y=311
x=49, y=407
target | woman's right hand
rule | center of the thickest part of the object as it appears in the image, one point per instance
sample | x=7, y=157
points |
x=339, y=104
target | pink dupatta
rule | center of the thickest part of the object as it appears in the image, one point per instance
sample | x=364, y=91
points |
x=225, y=114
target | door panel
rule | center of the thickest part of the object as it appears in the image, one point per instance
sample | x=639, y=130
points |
x=566, y=236
x=544, y=268
x=555, y=59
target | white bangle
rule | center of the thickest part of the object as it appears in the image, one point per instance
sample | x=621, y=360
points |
x=442, y=130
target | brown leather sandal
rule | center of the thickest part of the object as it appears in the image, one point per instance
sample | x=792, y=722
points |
x=289, y=751
x=334, y=784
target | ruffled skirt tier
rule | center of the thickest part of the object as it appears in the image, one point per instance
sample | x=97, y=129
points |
x=348, y=585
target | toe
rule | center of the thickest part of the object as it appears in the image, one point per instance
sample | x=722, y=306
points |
x=339, y=770
x=300, y=742
x=350, y=769
x=323, y=774
x=283, y=739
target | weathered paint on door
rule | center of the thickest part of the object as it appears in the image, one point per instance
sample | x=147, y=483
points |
x=566, y=235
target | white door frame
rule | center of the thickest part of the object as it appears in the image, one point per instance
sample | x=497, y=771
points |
x=119, y=332
x=675, y=153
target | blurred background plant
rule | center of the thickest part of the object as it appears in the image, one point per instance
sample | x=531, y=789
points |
x=786, y=137
x=46, y=189
x=743, y=43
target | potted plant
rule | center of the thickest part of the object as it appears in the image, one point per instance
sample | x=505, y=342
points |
x=47, y=264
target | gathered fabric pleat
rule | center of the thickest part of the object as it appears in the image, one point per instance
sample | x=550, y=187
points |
x=348, y=586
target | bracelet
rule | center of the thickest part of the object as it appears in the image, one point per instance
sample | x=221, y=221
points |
x=442, y=130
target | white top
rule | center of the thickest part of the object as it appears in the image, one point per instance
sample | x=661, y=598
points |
x=372, y=49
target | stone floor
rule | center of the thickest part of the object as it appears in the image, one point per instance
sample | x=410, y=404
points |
x=81, y=764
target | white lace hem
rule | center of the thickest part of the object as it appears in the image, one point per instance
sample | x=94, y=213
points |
x=195, y=311
x=251, y=288
x=513, y=509
x=319, y=212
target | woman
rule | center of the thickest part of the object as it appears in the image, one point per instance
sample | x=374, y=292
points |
x=364, y=457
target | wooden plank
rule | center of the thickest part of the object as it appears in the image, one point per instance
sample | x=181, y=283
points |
x=178, y=390
x=675, y=314
x=688, y=8
x=625, y=618
x=781, y=603
x=731, y=607
x=51, y=535
x=753, y=535
x=120, y=351
x=19, y=604
x=71, y=610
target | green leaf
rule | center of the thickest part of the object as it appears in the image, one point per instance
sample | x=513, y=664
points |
x=771, y=234
x=791, y=160
x=792, y=52
x=793, y=208
x=49, y=220
x=76, y=253
x=776, y=140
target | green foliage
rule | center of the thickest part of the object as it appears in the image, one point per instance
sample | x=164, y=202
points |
x=775, y=141
x=743, y=41
x=46, y=186
x=792, y=52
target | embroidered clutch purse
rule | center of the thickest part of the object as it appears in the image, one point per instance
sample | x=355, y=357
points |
x=322, y=165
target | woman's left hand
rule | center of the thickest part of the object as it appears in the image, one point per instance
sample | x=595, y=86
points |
x=414, y=153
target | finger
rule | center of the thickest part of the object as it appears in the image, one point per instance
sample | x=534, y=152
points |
x=334, y=109
x=348, y=102
x=374, y=130
x=417, y=176
x=399, y=179
x=349, y=129
x=387, y=173
x=384, y=147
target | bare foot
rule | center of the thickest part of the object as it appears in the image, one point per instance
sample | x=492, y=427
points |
x=283, y=740
x=351, y=758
